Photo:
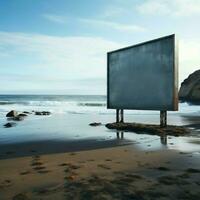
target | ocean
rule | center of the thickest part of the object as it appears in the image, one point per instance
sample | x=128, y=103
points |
x=74, y=104
x=71, y=115
x=54, y=103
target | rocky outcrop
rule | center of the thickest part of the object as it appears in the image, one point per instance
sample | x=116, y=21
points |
x=9, y=125
x=149, y=129
x=95, y=124
x=22, y=115
x=42, y=113
x=190, y=88
x=26, y=112
x=15, y=116
x=12, y=113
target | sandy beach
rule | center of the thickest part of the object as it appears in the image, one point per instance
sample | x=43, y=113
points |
x=107, y=173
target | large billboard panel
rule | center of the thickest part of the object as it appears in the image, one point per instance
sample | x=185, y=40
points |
x=144, y=76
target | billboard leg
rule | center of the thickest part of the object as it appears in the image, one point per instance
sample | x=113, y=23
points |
x=163, y=118
x=121, y=115
x=117, y=115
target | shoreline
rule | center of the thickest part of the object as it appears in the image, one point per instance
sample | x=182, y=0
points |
x=9, y=151
x=32, y=136
x=141, y=141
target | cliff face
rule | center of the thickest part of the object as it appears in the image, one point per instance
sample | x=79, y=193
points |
x=190, y=88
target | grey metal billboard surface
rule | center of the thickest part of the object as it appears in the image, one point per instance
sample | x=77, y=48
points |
x=144, y=76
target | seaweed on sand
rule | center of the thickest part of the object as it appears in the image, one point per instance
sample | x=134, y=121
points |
x=150, y=129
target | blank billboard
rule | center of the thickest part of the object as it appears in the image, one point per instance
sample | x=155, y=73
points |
x=144, y=76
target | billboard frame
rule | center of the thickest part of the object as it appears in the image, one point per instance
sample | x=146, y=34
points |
x=175, y=75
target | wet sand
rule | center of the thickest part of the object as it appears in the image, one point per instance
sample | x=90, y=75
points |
x=107, y=173
x=103, y=165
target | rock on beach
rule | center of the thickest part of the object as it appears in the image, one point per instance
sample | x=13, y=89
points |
x=12, y=113
x=190, y=88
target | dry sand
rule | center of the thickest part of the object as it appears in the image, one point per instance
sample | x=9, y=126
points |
x=107, y=173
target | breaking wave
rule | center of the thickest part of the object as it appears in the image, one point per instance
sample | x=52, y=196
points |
x=53, y=103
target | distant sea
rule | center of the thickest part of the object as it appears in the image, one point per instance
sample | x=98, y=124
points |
x=53, y=103
x=73, y=104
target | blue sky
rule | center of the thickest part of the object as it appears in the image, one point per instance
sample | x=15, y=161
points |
x=59, y=47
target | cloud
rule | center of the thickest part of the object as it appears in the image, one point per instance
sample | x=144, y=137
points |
x=78, y=56
x=52, y=64
x=113, y=25
x=62, y=62
x=189, y=56
x=55, y=18
x=176, y=8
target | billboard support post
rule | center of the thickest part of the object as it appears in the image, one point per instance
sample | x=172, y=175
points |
x=119, y=115
x=163, y=118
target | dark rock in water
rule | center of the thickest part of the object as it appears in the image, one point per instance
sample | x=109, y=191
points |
x=42, y=113
x=38, y=113
x=12, y=113
x=9, y=124
x=190, y=88
x=26, y=112
x=17, y=118
x=95, y=124
x=46, y=113
x=22, y=115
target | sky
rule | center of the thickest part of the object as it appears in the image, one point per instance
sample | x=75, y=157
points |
x=59, y=47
